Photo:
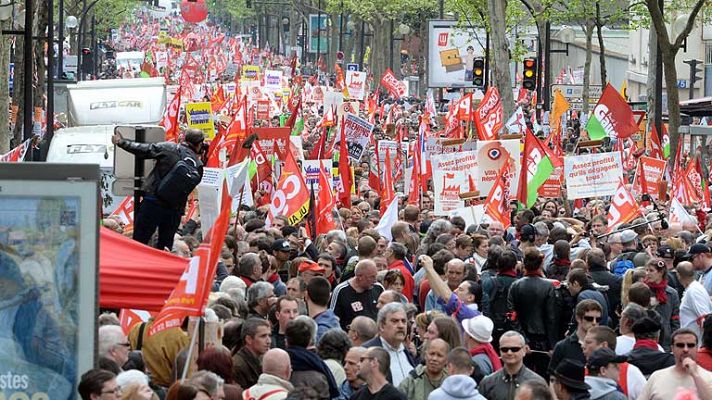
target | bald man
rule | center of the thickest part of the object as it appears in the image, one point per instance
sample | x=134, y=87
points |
x=274, y=380
x=695, y=303
x=453, y=276
x=389, y=296
x=352, y=363
x=358, y=295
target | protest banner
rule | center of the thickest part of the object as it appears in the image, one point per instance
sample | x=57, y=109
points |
x=434, y=146
x=310, y=170
x=653, y=170
x=250, y=73
x=451, y=176
x=358, y=134
x=491, y=156
x=392, y=146
x=200, y=116
x=551, y=189
x=209, y=196
x=273, y=79
x=263, y=109
x=267, y=137
x=356, y=84
x=592, y=175
x=395, y=87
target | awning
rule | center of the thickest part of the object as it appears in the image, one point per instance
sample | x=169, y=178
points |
x=133, y=275
x=697, y=107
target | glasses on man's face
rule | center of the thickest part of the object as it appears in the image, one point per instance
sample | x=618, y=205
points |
x=591, y=318
x=685, y=345
x=510, y=349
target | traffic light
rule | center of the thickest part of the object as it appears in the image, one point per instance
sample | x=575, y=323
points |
x=87, y=60
x=478, y=72
x=530, y=74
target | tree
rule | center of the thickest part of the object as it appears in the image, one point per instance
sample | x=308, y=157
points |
x=668, y=48
x=500, y=47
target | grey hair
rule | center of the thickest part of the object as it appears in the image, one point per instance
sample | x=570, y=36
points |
x=312, y=326
x=513, y=334
x=257, y=292
x=633, y=312
x=247, y=263
x=336, y=235
x=109, y=337
x=439, y=226
x=209, y=380
x=541, y=228
x=387, y=310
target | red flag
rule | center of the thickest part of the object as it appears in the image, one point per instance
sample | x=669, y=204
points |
x=318, y=149
x=325, y=204
x=218, y=100
x=623, y=208
x=264, y=168
x=293, y=116
x=170, y=119
x=395, y=87
x=340, y=82
x=125, y=211
x=489, y=117
x=497, y=203
x=374, y=179
x=653, y=145
x=191, y=292
x=388, y=194
x=128, y=318
x=291, y=196
x=18, y=153
x=414, y=189
x=534, y=153
x=344, y=170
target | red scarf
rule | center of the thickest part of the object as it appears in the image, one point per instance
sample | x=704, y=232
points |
x=539, y=273
x=510, y=273
x=646, y=344
x=658, y=289
x=486, y=348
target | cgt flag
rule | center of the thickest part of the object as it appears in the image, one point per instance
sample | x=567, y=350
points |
x=291, y=196
x=611, y=117
x=489, y=117
x=497, y=203
x=623, y=208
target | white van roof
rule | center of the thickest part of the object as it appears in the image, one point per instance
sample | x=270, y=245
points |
x=83, y=145
x=117, y=101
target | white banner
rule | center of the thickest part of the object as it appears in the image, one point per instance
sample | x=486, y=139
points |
x=592, y=175
x=451, y=176
x=491, y=156
x=310, y=170
x=273, y=79
x=356, y=84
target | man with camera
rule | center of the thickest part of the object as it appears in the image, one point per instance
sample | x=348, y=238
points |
x=178, y=171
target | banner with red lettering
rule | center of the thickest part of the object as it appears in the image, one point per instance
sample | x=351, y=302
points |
x=395, y=87
x=18, y=153
x=125, y=211
x=489, y=117
x=650, y=171
x=497, y=203
x=623, y=207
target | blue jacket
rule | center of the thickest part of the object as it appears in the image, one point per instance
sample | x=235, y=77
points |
x=325, y=321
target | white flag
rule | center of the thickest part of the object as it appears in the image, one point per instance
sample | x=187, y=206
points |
x=517, y=124
x=389, y=218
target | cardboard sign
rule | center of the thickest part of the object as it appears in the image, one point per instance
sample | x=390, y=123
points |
x=592, y=175
x=200, y=116
x=356, y=84
x=250, y=73
x=358, y=134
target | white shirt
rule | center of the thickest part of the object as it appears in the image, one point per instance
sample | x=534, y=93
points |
x=400, y=366
x=695, y=303
x=624, y=344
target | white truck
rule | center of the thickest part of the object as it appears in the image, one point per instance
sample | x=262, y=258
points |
x=94, y=109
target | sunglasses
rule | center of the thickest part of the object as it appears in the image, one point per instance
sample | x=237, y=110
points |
x=509, y=349
x=591, y=318
x=685, y=345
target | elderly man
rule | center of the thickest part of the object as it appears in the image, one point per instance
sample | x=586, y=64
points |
x=683, y=378
x=361, y=330
x=375, y=366
x=426, y=378
x=273, y=383
x=454, y=275
x=495, y=229
x=250, y=268
x=211, y=382
x=701, y=258
x=113, y=345
x=502, y=384
x=392, y=331
x=260, y=298
x=358, y=295
x=352, y=363
x=247, y=364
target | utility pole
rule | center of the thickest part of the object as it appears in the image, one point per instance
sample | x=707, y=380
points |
x=693, y=74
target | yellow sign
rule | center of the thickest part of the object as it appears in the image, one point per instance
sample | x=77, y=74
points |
x=250, y=73
x=200, y=116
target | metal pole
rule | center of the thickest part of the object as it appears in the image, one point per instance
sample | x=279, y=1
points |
x=95, y=53
x=341, y=27
x=318, y=36
x=27, y=81
x=60, y=33
x=487, y=59
x=362, y=39
x=390, y=47
x=50, y=80
x=547, y=66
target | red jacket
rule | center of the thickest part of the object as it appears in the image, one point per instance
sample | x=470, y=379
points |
x=409, y=282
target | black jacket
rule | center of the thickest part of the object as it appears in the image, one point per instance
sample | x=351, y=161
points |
x=568, y=347
x=166, y=155
x=603, y=277
x=649, y=360
x=532, y=298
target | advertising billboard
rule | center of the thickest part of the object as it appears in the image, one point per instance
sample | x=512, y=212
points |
x=451, y=53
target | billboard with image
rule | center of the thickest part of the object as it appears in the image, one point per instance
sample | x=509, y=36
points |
x=451, y=52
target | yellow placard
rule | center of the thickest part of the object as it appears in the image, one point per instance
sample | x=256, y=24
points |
x=200, y=116
x=250, y=73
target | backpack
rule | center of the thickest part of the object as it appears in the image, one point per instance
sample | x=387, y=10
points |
x=179, y=182
x=623, y=264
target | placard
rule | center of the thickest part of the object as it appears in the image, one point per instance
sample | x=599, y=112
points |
x=200, y=116
x=452, y=174
x=358, y=134
x=310, y=170
x=273, y=79
x=491, y=156
x=356, y=84
x=250, y=73
x=592, y=175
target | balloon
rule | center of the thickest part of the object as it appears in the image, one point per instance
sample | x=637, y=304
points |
x=194, y=11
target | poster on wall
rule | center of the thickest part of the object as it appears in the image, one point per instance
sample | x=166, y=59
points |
x=48, y=265
x=318, y=33
x=451, y=53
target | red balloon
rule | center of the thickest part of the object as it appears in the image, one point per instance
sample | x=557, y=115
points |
x=194, y=11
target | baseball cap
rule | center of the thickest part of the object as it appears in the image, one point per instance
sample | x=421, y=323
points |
x=628, y=236
x=697, y=248
x=308, y=265
x=602, y=357
x=281, y=245
x=666, y=251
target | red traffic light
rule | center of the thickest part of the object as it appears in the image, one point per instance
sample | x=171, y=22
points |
x=529, y=63
x=86, y=51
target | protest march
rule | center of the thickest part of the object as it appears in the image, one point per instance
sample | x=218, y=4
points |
x=302, y=231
